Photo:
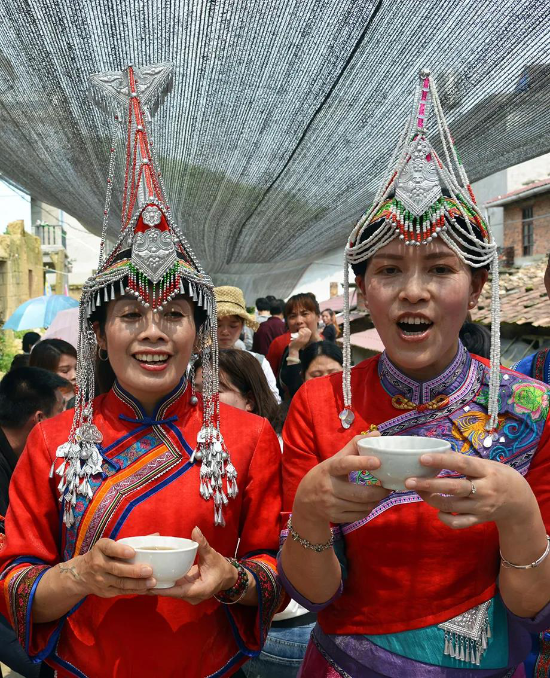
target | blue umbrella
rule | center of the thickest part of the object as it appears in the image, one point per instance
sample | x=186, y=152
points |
x=38, y=312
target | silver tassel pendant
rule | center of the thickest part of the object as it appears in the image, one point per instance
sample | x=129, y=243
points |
x=466, y=637
x=446, y=650
x=215, y=466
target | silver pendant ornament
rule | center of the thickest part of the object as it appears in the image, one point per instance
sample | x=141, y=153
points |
x=467, y=635
x=410, y=205
x=216, y=467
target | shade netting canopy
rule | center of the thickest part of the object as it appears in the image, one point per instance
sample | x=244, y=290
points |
x=282, y=116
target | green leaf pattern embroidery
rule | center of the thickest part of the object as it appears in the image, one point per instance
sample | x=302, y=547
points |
x=530, y=399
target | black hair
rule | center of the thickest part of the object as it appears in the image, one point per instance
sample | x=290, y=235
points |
x=333, y=320
x=476, y=338
x=241, y=370
x=306, y=300
x=277, y=307
x=29, y=340
x=47, y=353
x=360, y=268
x=104, y=373
x=20, y=360
x=27, y=390
x=262, y=304
x=270, y=298
x=328, y=348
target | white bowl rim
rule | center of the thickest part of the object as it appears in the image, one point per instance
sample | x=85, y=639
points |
x=438, y=443
x=127, y=541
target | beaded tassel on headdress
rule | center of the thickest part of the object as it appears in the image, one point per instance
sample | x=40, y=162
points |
x=152, y=261
x=410, y=205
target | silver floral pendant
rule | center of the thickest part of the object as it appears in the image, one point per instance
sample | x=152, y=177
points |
x=347, y=418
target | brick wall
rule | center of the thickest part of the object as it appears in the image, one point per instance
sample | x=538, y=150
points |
x=541, y=224
x=21, y=273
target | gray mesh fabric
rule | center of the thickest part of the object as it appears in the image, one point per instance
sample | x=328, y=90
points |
x=283, y=112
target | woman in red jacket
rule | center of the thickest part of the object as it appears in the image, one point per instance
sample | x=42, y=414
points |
x=446, y=577
x=144, y=457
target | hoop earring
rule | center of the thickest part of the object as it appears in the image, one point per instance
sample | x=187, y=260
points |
x=103, y=360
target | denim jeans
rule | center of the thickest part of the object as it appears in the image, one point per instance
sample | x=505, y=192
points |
x=282, y=654
x=12, y=654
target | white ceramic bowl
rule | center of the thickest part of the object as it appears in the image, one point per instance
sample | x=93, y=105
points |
x=170, y=557
x=399, y=457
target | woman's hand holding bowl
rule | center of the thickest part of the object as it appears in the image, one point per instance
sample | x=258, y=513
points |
x=102, y=571
x=491, y=491
x=325, y=493
x=211, y=574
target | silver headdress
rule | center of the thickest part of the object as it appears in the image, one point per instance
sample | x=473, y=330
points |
x=153, y=261
x=411, y=205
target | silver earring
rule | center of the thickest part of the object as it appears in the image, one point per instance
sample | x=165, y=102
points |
x=106, y=358
x=193, y=399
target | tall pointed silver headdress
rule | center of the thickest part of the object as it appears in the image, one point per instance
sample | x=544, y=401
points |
x=153, y=261
x=412, y=206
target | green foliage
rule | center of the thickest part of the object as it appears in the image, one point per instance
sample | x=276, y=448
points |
x=7, y=352
x=10, y=346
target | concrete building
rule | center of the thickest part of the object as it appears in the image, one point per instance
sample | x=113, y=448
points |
x=83, y=248
x=53, y=240
x=526, y=220
x=490, y=190
x=21, y=269
x=70, y=251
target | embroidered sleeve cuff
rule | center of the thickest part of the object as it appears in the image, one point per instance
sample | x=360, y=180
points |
x=298, y=597
x=20, y=586
x=270, y=593
x=250, y=625
x=534, y=624
x=20, y=580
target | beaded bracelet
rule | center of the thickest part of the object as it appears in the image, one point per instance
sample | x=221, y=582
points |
x=238, y=591
x=536, y=563
x=318, y=548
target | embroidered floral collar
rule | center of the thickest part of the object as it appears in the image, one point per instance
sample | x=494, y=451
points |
x=395, y=382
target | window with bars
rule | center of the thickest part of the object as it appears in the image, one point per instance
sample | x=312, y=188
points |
x=527, y=234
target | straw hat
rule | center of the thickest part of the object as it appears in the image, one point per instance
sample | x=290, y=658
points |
x=230, y=301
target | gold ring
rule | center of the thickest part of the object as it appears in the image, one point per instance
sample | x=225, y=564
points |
x=473, y=489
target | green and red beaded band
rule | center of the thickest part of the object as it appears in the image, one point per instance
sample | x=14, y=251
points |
x=238, y=591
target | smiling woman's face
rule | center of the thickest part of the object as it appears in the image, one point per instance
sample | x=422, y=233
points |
x=149, y=352
x=418, y=298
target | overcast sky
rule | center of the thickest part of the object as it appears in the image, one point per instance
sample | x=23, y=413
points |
x=14, y=205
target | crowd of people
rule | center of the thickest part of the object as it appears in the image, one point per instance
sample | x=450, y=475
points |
x=190, y=416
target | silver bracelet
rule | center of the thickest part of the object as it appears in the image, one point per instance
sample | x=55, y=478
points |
x=536, y=563
x=318, y=548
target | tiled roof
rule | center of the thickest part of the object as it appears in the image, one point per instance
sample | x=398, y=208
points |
x=337, y=303
x=369, y=339
x=518, y=192
x=523, y=297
